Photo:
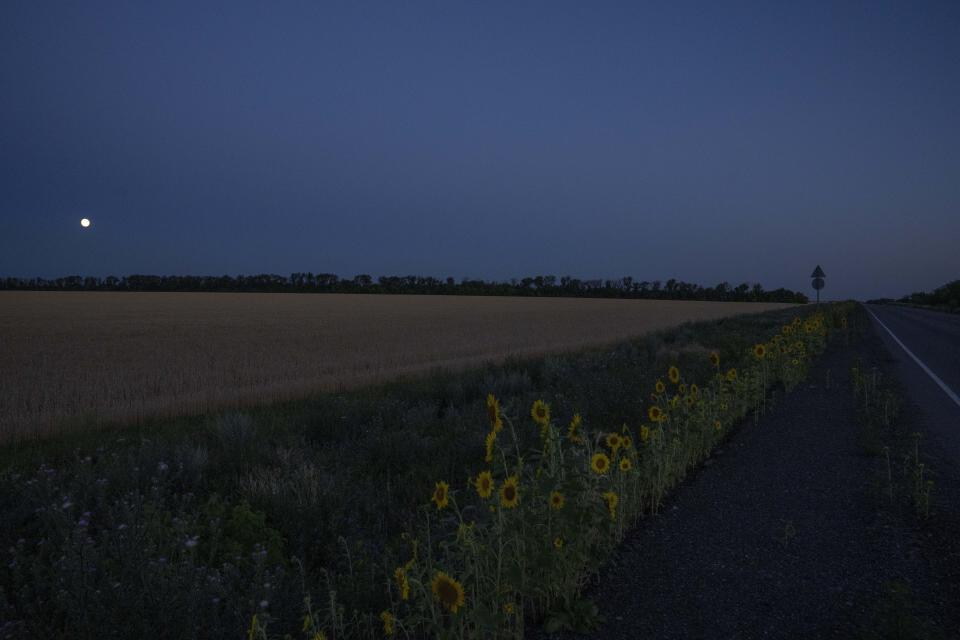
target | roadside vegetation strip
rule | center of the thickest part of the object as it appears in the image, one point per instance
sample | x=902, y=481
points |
x=906, y=477
x=524, y=535
x=292, y=519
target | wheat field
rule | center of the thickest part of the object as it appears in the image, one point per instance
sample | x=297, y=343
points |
x=70, y=358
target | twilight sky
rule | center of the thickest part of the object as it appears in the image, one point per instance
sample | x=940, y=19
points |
x=702, y=141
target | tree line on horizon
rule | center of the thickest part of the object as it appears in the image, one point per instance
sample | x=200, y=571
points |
x=306, y=282
x=943, y=297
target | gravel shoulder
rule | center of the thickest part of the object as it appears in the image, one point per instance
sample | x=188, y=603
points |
x=783, y=533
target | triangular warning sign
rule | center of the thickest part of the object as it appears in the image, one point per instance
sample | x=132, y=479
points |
x=818, y=273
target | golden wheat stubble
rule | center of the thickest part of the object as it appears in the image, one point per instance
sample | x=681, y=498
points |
x=70, y=358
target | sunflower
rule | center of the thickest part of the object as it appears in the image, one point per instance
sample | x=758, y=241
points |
x=660, y=387
x=489, y=442
x=509, y=493
x=655, y=413
x=414, y=548
x=540, y=413
x=796, y=361
x=611, y=499
x=715, y=359
x=694, y=390
x=558, y=542
x=508, y=608
x=388, y=623
x=447, y=591
x=403, y=584
x=759, y=351
x=441, y=494
x=484, y=484
x=682, y=388
x=493, y=413
x=556, y=500
x=690, y=400
x=625, y=464
x=674, y=374
x=644, y=433
x=614, y=442
x=600, y=463
x=627, y=443
x=573, y=431
x=786, y=329
x=717, y=425
x=731, y=375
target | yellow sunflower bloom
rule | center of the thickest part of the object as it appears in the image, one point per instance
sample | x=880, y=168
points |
x=674, y=374
x=540, y=412
x=612, y=500
x=484, y=484
x=644, y=434
x=614, y=442
x=731, y=375
x=556, y=500
x=441, y=494
x=403, y=584
x=715, y=359
x=508, y=608
x=627, y=443
x=717, y=425
x=759, y=351
x=600, y=463
x=682, y=388
x=510, y=493
x=558, y=542
x=388, y=623
x=660, y=387
x=493, y=413
x=488, y=443
x=655, y=413
x=573, y=431
x=625, y=464
x=447, y=591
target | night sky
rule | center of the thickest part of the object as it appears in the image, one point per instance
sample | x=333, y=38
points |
x=705, y=142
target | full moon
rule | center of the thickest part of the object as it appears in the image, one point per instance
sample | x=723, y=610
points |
x=85, y=223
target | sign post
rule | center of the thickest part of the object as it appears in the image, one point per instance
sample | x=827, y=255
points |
x=818, y=281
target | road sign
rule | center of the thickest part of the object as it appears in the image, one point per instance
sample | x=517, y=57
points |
x=818, y=280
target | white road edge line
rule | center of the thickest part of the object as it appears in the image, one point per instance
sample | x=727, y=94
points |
x=947, y=390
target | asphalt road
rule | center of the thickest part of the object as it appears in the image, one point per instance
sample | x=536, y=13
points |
x=934, y=338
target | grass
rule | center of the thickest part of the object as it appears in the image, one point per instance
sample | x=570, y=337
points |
x=294, y=518
x=74, y=361
x=906, y=479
